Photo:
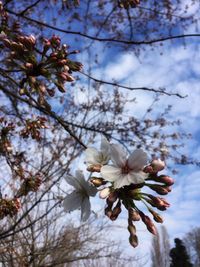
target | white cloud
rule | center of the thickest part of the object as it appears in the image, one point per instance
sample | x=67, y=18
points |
x=122, y=68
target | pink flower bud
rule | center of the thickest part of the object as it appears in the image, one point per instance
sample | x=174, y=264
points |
x=113, y=196
x=62, y=76
x=132, y=229
x=156, y=216
x=157, y=165
x=115, y=213
x=161, y=190
x=104, y=193
x=165, y=179
x=164, y=202
x=94, y=168
x=133, y=215
x=96, y=181
x=149, y=224
x=133, y=240
x=61, y=62
x=148, y=169
x=47, y=42
x=55, y=41
x=158, y=202
x=28, y=65
x=7, y=43
x=32, y=39
x=108, y=212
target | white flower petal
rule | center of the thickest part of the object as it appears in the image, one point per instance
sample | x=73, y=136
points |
x=105, y=145
x=122, y=181
x=72, y=181
x=110, y=173
x=91, y=190
x=137, y=177
x=118, y=155
x=72, y=201
x=85, y=186
x=78, y=181
x=85, y=209
x=92, y=156
x=137, y=160
x=79, y=175
x=104, y=193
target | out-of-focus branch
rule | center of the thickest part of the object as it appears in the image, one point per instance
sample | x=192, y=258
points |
x=46, y=112
x=160, y=91
x=30, y=7
x=129, y=42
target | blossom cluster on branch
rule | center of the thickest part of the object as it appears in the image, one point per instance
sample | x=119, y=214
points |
x=128, y=3
x=41, y=68
x=121, y=3
x=10, y=131
x=120, y=181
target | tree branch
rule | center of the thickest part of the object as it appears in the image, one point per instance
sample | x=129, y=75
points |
x=129, y=42
x=161, y=91
x=29, y=7
x=46, y=112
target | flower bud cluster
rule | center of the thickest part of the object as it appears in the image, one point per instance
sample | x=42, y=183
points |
x=6, y=129
x=132, y=216
x=129, y=195
x=33, y=127
x=9, y=207
x=163, y=182
x=69, y=3
x=41, y=72
x=157, y=202
x=111, y=211
x=29, y=184
x=96, y=181
x=3, y=17
x=128, y=3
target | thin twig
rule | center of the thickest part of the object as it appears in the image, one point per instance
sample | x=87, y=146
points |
x=129, y=42
x=133, y=88
x=29, y=7
x=47, y=112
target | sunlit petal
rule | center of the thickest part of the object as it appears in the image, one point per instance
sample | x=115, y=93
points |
x=110, y=173
x=105, y=145
x=118, y=155
x=137, y=177
x=92, y=156
x=137, y=160
x=122, y=181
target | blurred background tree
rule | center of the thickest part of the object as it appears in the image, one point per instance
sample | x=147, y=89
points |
x=160, y=249
x=192, y=243
x=179, y=255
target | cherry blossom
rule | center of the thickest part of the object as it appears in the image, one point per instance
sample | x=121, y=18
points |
x=125, y=170
x=95, y=157
x=79, y=198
